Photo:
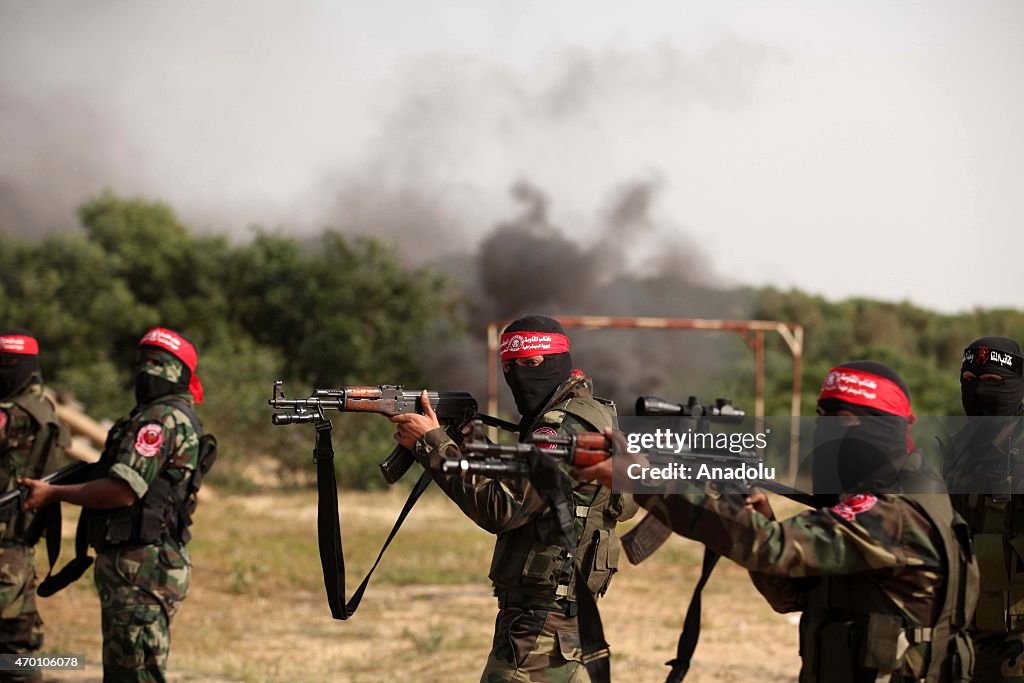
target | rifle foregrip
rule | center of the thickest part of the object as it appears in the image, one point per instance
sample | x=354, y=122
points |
x=586, y=458
x=396, y=464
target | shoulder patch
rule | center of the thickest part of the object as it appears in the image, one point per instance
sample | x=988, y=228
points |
x=3, y=419
x=544, y=432
x=854, y=505
x=149, y=439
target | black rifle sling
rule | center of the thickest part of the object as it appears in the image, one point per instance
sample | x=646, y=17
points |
x=74, y=569
x=596, y=654
x=691, y=624
x=328, y=522
x=48, y=522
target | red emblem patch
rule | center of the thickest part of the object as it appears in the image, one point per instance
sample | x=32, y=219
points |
x=544, y=432
x=3, y=419
x=854, y=505
x=149, y=440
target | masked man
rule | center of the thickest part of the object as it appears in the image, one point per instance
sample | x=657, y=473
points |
x=885, y=579
x=536, y=635
x=984, y=468
x=30, y=440
x=136, y=509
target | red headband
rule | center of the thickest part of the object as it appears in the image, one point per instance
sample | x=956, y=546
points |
x=866, y=389
x=180, y=348
x=521, y=344
x=19, y=343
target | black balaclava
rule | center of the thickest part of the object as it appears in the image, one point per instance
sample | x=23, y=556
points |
x=532, y=388
x=866, y=457
x=19, y=361
x=993, y=356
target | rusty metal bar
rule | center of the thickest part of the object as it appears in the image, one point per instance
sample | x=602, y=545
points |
x=797, y=349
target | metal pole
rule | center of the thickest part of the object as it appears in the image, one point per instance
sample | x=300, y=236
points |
x=492, y=369
x=759, y=374
x=797, y=348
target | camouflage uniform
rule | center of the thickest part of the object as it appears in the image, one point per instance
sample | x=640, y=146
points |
x=22, y=454
x=142, y=568
x=977, y=462
x=868, y=574
x=536, y=634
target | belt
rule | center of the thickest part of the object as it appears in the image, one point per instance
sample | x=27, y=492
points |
x=518, y=600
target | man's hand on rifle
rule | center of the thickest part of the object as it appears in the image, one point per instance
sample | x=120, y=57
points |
x=758, y=502
x=40, y=493
x=602, y=471
x=410, y=427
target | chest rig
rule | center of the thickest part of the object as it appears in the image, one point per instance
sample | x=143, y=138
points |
x=525, y=568
x=997, y=523
x=852, y=631
x=165, y=511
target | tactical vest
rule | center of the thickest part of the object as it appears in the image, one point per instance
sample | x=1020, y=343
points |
x=525, y=565
x=997, y=522
x=52, y=435
x=165, y=511
x=851, y=632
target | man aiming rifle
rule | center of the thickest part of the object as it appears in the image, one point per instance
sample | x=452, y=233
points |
x=538, y=577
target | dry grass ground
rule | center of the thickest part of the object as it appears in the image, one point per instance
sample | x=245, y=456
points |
x=257, y=612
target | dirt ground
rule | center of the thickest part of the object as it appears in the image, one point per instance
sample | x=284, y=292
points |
x=256, y=610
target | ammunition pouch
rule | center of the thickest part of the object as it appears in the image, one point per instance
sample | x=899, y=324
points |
x=1000, y=548
x=151, y=519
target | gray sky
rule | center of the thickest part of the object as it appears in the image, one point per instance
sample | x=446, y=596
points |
x=847, y=148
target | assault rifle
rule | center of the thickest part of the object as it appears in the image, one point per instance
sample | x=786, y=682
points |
x=584, y=449
x=510, y=460
x=74, y=473
x=453, y=408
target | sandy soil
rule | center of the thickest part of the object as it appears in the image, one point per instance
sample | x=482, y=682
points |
x=235, y=629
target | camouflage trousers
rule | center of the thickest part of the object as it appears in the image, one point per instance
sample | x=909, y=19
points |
x=534, y=646
x=140, y=589
x=21, y=629
x=999, y=657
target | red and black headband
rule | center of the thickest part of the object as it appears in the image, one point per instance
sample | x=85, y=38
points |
x=180, y=348
x=520, y=344
x=867, y=389
x=21, y=344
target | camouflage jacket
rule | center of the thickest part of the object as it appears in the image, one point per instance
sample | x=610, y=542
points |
x=868, y=554
x=524, y=563
x=156, y=441
x=23, y=422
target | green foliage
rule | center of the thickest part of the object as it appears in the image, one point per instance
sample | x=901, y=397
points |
x=923, y=347
x=336, y=311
